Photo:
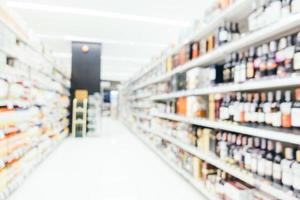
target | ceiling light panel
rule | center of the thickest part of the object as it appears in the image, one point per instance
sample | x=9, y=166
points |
x=96, y=13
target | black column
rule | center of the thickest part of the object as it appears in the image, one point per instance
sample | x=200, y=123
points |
x=86, y=67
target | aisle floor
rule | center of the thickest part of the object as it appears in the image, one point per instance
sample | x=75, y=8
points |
x=113, y=166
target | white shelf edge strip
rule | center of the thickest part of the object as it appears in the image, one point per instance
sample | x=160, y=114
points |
x=197, y=184
x=257, y=132
x=282, y=26
x=247, y=86
x=212, y=159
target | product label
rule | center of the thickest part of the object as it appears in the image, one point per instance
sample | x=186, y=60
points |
x=297, y=59
x=212, y=74
x=268, y=168
x=276, y=171
x=248, y=161
x=223, y=36
x=250, y=70
x=223, y=150
x=237, y=74
x=287, y=177
x=276, y=119
x=286, y=120
x=237, y=155
x=236, y=108
x=231, y=110
x=295, y=117
x=247, y=111
x=242, y=73
x=261, y=166
x=296, y=176
x=224, y=113
x=253, y=164
x=261, y=117
x=269, y=118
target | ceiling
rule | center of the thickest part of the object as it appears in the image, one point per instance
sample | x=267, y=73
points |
x=131, y=31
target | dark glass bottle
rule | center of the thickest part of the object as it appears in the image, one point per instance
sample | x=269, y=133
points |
x=269, y=161
x=227, y=70
x=248, y=154
x=261, y=111
x=254, y=108
x=255, y=155
x=285, y=109
x=223, y=35
x=272, y=65
x=276, y=111
x=234, y=62
x=242, y=152
x=277, y=172
x=261, y=158
x=295, y=112
x=224, y=109
x=296, y=174
x=257, y=62
x=250, y=64
x=231, y=147
x=286, y=167
x=264, y=61
x=237, y=150
x=296, y=64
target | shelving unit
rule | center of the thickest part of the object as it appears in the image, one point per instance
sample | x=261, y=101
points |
x=34, y=98
x=142, y=98
x=283, y=26
x=79, y=118
x=277, y=134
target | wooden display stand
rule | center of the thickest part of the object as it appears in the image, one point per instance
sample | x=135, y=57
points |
x=79, y=117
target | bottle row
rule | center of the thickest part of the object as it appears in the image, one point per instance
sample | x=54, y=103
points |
x=277, y=58
x=216, y=181
x=269, y=11
x=274, y=108
x=274, y=161
x=280, y=58
x=229, y=32
x=264, y=13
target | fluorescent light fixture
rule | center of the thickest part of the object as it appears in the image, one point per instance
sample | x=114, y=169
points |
x=99, y=40
x=110, y=58
x=96, y=13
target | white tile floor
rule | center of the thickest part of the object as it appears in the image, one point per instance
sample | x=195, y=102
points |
x=114, y=166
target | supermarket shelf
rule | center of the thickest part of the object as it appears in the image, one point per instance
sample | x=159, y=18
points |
x=144, y=71
x=13, y=185
x=142, y=96
x=197, y=184
x=261, y=184
x=142, y=115
x=15, y=102
x=239, y=10
x=283, y=135
x=251, y=85
x=282, y=27
x=236, y=12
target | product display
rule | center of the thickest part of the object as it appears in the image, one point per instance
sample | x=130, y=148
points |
x=224, y=104
x=33, y=108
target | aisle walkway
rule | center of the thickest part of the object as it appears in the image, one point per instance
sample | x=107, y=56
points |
x=114, y=166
